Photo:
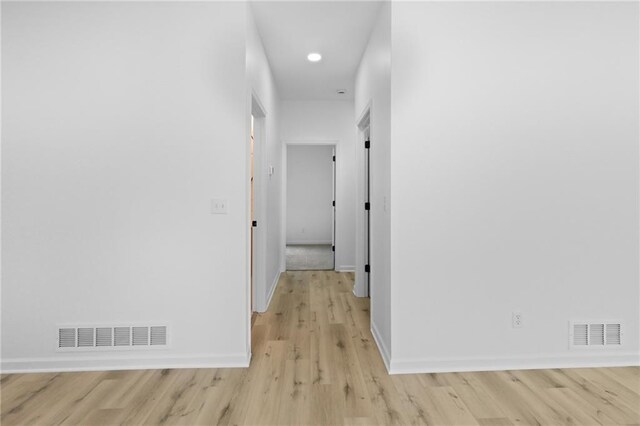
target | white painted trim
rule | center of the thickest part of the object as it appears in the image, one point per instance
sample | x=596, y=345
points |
x=62, y=364
x=346, y=268
x=384, y=352
x=365, y=115
x=260, y=232
x=283, y=207
x=359, y=287
x=256, y=108
x=274, y=284
x=448, y=365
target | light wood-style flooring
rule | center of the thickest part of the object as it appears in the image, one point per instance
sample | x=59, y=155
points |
x=315, y=362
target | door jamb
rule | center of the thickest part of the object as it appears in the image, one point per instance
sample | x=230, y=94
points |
x=359, y=289
x=260, y=232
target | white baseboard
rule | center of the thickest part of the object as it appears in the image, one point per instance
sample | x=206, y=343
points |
x=382, y=348
x=359, y=292
x=433, y=365
x=63, y=364
x=274, y=284
x=346, y=268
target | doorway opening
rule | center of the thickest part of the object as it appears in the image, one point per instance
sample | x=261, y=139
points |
x=257, y=205
x=310, y=207
x=253, y=202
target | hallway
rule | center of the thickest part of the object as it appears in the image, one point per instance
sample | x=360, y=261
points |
x=315, y=362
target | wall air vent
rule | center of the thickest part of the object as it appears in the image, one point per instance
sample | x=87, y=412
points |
x=66, y=338
x=85, y=337
x=613, y=333
x=122, y=336
x=158, y=336
x=104, y=337
x=595, y=333
x=140, y=336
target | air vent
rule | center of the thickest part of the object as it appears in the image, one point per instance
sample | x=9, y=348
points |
x=140, y=336
x=67, y=338
x=84, y=338
x=122, y=336
x=595, y=333
x=158, y=336
x=613, y=334
x=581, y=334
x=104, y=336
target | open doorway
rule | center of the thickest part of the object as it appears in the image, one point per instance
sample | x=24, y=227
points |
x=310, y=207
x=252, y=142
x=257, y=229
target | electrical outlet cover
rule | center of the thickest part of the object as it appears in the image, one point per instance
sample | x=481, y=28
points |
x=516, y=319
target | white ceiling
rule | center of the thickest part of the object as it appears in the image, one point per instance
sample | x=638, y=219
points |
x=339, y=30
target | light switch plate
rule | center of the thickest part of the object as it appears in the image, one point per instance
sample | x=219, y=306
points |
x=219, y=206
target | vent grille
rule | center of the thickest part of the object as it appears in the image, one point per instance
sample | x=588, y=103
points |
x=158, y=336
x=596, y=333
x=67, y=338
x=123, y=336
x=104, y=336
x=140, y=336
x=110, y=338
x=85, y=337
x=581, y=334
x=613, y=334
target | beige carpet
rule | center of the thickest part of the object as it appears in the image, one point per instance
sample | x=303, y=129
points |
x=312, y=257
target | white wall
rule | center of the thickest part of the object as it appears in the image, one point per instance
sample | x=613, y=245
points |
x=373, y=90
x=309, y=194
x=261, y=85
x=121, y=121
x=514, y=177
x=313, y=121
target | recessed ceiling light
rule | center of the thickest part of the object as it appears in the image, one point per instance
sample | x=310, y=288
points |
x=341, y=91
x=314, y=57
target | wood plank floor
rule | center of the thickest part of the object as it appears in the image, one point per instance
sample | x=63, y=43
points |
x=315, y=362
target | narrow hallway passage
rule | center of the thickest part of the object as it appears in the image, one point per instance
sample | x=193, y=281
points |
x=315, y=362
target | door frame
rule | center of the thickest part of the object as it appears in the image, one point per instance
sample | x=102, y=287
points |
x=283, y=227
x=360, y=286
x=256, y=253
